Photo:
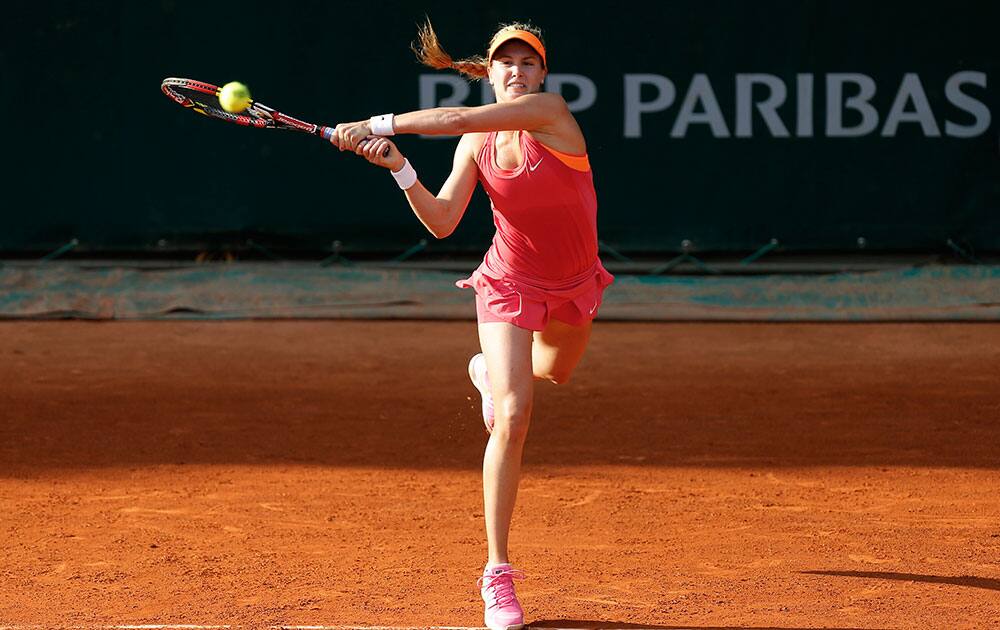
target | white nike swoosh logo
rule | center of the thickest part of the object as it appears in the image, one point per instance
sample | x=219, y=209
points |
x=530, y=167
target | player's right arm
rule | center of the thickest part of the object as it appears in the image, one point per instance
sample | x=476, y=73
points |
x=439, y=213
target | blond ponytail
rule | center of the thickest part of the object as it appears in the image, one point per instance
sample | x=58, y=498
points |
x=430, y=53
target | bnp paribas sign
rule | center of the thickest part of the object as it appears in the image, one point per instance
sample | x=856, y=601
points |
x=834, y=105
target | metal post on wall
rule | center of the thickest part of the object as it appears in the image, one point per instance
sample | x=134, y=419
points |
x=252, y=244
x=419, y=247
x=611, y=251
x=770, y=246
x=335, y=257
x=62, y=250
x=962, y=253
x=686, y=256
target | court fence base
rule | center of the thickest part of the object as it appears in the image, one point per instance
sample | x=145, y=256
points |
x=242, y=290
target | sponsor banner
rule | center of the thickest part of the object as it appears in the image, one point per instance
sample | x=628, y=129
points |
x=711, y=125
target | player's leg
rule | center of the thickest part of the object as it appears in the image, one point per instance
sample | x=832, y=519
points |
x=507, y=350
x=557, y=350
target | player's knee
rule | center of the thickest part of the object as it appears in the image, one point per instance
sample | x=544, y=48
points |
x=557, y=376
x=511, y=418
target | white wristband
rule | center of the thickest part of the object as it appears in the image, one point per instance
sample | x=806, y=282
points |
x=406, y=177
x=381, y=125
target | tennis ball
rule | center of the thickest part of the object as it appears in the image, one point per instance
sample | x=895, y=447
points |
x=234, y=97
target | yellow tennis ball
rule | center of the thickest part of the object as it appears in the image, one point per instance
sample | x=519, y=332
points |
x=234, y=97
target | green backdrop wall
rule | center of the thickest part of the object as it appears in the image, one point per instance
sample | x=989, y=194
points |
x=725, y=123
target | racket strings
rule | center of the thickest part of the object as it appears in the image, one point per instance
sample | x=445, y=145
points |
x=209, y=105
x=203, y=98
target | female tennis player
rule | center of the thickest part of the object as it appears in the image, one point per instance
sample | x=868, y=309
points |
x=540, y=284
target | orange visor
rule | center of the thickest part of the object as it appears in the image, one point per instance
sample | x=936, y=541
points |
x=524, y=36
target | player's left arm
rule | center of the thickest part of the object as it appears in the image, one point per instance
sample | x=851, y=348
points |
x=532, y=112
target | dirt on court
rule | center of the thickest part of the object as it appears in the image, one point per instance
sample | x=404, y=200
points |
x=267, y=473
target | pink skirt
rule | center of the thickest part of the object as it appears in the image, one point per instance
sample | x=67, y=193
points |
x=505, y=296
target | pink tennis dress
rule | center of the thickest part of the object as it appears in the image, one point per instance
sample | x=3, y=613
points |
x=543, y=262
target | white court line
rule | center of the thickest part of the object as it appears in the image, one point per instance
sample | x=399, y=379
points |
x=279, y=627
x=197, y=627
x=135, y=627
x=380, y=628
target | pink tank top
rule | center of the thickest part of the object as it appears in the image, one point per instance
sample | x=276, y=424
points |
x=545, y=212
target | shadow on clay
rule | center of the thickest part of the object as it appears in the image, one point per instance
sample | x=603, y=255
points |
x=957, y=580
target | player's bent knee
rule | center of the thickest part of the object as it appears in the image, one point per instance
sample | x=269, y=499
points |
x=558, y=377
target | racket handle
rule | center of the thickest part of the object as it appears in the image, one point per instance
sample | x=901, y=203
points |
x=327, y=133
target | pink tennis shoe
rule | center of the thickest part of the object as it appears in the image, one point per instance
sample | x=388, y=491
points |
x=477, y=373
x=503, y=611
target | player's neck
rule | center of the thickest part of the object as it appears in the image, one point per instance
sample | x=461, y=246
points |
x=507, y=136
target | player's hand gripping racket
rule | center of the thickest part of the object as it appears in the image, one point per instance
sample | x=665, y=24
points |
x=204, y=98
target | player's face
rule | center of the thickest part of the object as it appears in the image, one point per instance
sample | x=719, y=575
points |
x=516, y=70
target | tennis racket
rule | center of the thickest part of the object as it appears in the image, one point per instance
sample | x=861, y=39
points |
x=204, y=98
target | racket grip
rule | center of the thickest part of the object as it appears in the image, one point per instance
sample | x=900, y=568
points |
x=327, y=133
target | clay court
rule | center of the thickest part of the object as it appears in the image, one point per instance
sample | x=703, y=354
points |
x=327, y=473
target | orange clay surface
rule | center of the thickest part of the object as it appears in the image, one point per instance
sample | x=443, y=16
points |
x=328, y=473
